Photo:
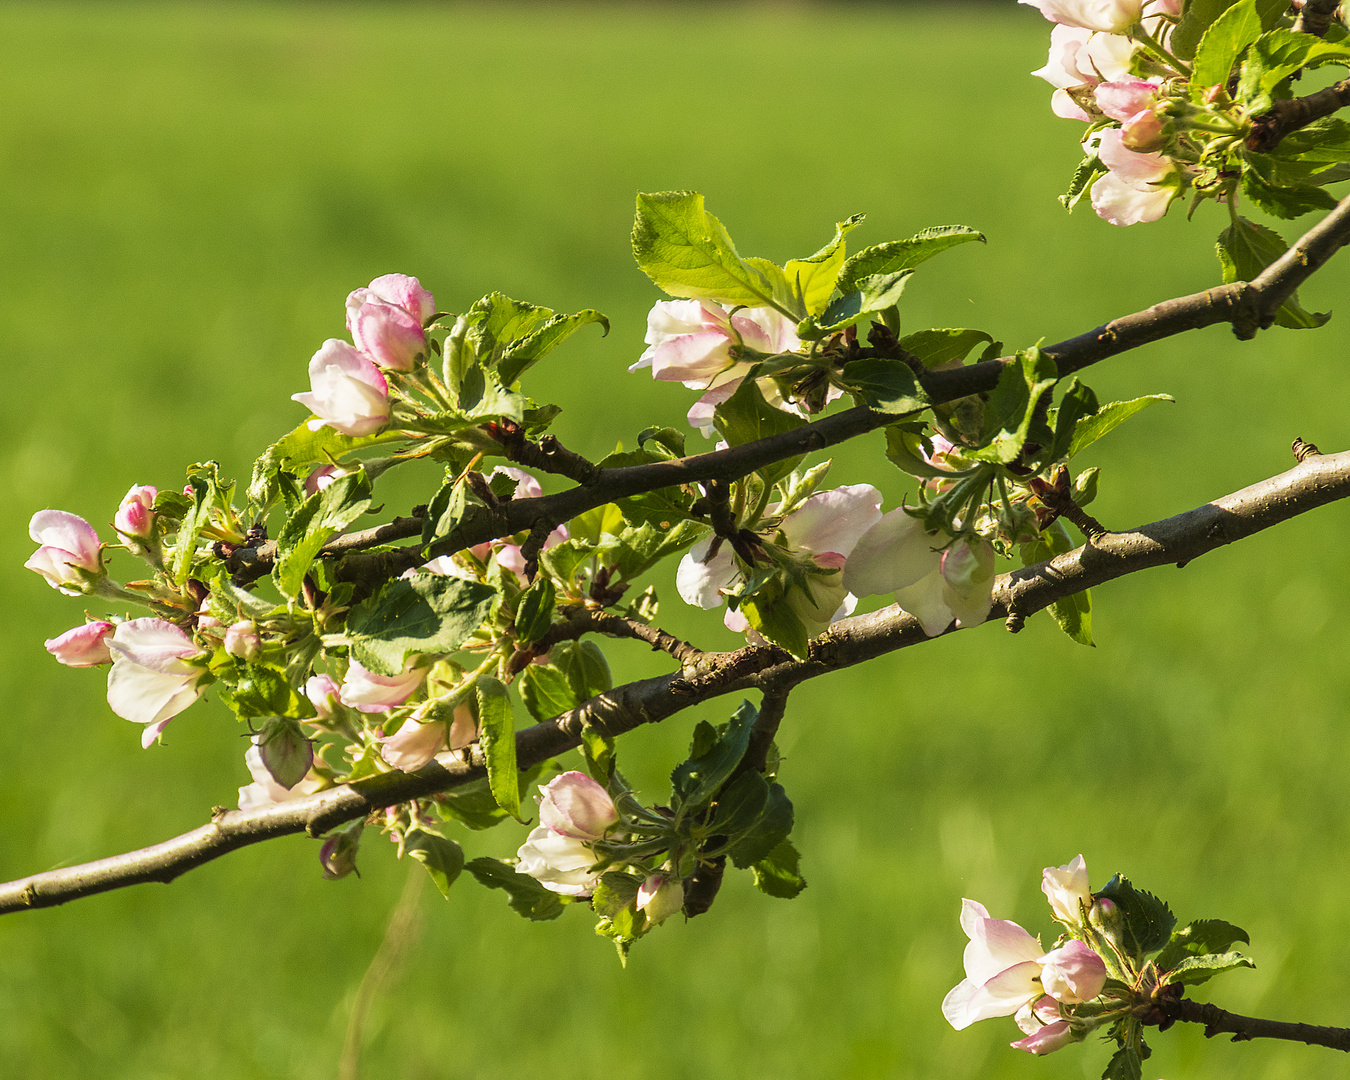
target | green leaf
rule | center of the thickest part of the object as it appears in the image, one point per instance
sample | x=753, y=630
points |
x=1081, y=182
x=760, y=840
x=813, y=278
x=1196, y=17
x=443, y=858
x=1198, y=938
x=887, y=386
x=1327, y=139
x=534, y=610
x=768, y=613
x=746, y=416
x=876, y=293
x=302, y=448
x=1286, y=201
x=584, y=665
x=473, y=804
x=445, y=511
x=1227, y=38
x=1010, y=411
x=639, y=549
x=778, y=875
x=261, y=689
x=528, y=898
x=1244, y=250
x=1072, y=614
x=425, y=613
x=1079, y=400
x=895, y=255
x=185, y=544
x=545, y=691
x=696, y=781
x=936, y=347
x=615, y=892
x=1108, y=417
x=687, y=252
x=1148, y=920
x=497, y=737
x=520, y=357
x=1277, y=55
x=1198, y=969
x=313, y=523
x=1125, y=1064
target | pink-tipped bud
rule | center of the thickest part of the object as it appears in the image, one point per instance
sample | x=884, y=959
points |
x=660, y=897
x=338, y=854
x=575, y=805
x=85, y=646
x=135, y=518
x=242, y=641
x=1073, y=973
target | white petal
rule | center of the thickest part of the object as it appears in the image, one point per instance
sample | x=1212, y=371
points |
x=833, y=520
x=700, y=583
x=892, y=554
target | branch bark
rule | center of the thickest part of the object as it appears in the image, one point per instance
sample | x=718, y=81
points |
x=1290, y=114
x=1317, y=481
x=1243, y=1028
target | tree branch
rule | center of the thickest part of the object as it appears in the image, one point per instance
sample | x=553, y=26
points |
x=1318, y=480
x=1243, y=1028
x=1290, y=114
x=1316, y=16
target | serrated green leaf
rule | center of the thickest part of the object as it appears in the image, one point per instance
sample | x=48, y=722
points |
x=886, y=386
x=769, y=614
x=261, y=689
x=772, y=827
x=1081, y=182
x=1148, y=921
x=687, y=252
x=778, y=873
x=1199, y=969
x=941, y=346
x=1287, y=201
x=445, y=511
x=1079, y=400
x=528, y=898
x=1010, y=411
x=696, y=781
x=585, y=667
x=302, y=448
x=1108, y=417
x=875, y=293
x=814, y=277
x=1196, y=17
x=546, y=692
x=1245, y=249
x=425, y=613
x=896, y=255
x=1227, y=37
x=497, y=737
x=313, y=523
x=520, y=356
x=1125, y=1064
x=534, y=610
x=443, y=859
x=615, y=892
x=1275, y=56
x=1198, y=938
x=1072, y=614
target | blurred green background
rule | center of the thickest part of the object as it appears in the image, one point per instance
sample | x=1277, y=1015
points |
x=187, y=194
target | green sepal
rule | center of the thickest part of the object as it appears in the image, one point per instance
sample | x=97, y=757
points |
x=778, y=873
x=425, y=613
x=313, y=523
x=528, y=898
x=497, y=737
x=896, y=255
x=443, y=859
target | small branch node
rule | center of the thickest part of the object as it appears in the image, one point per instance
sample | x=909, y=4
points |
x=1304, y=450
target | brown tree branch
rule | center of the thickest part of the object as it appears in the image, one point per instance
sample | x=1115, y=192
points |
x=1243, y=1028
x=1290, y=114
x=1318, y=480
x=1316, y=17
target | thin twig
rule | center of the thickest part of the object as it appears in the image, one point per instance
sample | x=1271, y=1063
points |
x=1243, y=1028
x=1319, y=480
x=1290, y=114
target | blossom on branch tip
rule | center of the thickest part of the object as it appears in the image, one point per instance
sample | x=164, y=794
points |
x=155, y=674
x=386, y=319
x=574, y=811
x=1139, y=187
x=561, y=864
x=84, y=646
x=347, y=391
x=69, y=550
x=135, y=518
x=368, y=692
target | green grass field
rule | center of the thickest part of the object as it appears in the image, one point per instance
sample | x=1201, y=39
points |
x=187, y=194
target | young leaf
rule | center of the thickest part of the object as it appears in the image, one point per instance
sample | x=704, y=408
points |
x=615, y=892
x=687, y=252
x=936, y=347
x=1081, y=182
x=528, y=898
x=584, y=665
x=1198, y=938
x=696, y=781
x=777, y=873
x=746, y=416
x=1072, y=614
x=497, y=737
x=545, y=691
x=1245, y=249
x=521, y=355
x=1148, y=920
x=1277, y=55
x=1225, y=40
x=302, y=448
x=1079, y=400
x=425, y=613
x=896, y=255
x=1088, y=429
x=814, y=277
x=313, y=523
x=887, y=386
x=443, y=858
x=1011, y=409
x=534, y=610
x=1286, y=201
x=1196, y=17
x=1125, y=1064
x=769, y=614
x=1198, y=969
x=770, y=829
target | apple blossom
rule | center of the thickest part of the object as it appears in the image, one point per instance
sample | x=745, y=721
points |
x=386, y=320
x=84, y=646
x=1139, y=187
x=1073, y=973
x=242, y=641
x=1045, y=1027
x=321, y=477
x=324, y=695
x=368, y=692
x=691, y=341
x=415, y=745
x=155, y=674
x=935, y=584
x=1107, y=16
x=561, y=864
x=266, y=790
x=347, y=391
x=1066, y=887
x=660, y=896
x=69, y=550
x=574, y=805
x=135, y=518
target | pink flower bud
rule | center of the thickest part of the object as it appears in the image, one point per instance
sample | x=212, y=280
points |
x=1066, y=887
x=321, y=477
x=1121, y=99
x=69, y=545
x=136, y=516
x=575, y=805
x=242, y=641
x=1144, y=132
x=338, y=854
x=347, y=391
x=85, y=646
x=388, y=335
x=1073, y=973
x=322, y=692
x=660, y=896
x=370, y=693
x=413, y=746
x=1047, y=1040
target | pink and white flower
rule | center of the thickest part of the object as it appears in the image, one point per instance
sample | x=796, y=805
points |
x=1066, y=887
x=1134, y=103
x=386, y=320
x=936, y=584
x=574, y=812
x=347, y=391
x=85, y=646
x=574, y=805
x=368, y=692
x=135, y=518
x=155, y=674
x=324, y=694
x=1139, y=187
x=1045, y=1027
x=242, y=641
x=415, y=745
x=69, y=550
x=265, y=790
x=1106, y=16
